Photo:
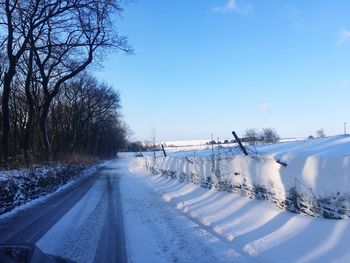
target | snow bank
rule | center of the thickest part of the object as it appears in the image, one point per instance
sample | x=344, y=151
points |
x=315, y=180
x=21, y=186
x=258, y=229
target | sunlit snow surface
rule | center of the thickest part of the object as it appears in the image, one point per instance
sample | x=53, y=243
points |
x=256, y=229
x=322, y=165
x=154, y=231
x=168, y=221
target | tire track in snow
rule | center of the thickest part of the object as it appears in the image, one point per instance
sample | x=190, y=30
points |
x=157, y=231
x=92, y=230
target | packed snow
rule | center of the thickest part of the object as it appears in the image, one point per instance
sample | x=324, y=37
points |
x=77, y=234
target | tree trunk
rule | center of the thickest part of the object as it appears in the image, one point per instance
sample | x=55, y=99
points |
x=29, y=127
x=30, y=102
x=6, y=114
x=47, y=153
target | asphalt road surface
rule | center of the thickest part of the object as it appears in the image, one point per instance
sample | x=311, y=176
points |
x=84, y=222
x=117, y=215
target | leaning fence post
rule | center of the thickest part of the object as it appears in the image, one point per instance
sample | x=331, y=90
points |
x=163, y=150
x=239, y=143
x=188, y=160
x=281, y=163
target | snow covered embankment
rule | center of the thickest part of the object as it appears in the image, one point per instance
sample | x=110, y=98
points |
x=21, y=186
x=316, y=180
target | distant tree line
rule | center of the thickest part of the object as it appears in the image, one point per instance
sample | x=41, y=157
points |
x=220, y=142
x=253, y=136
x=320, y=133
x=136, y=146
x=50, y=106
x=265, y=135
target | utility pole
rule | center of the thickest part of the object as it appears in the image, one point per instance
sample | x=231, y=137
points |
x=218, y=146
x=154, y=143
x=344, y=127
x=212, y=154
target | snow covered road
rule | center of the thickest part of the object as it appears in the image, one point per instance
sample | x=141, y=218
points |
x=92, y=231
x=83, y=222
x=126, y=215
x=157, y=232
x=89, y=227
x=31, y=221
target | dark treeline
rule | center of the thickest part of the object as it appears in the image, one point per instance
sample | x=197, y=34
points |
x=51, y=108
x=83, y=120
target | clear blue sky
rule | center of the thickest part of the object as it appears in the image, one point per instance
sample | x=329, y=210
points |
x=213, y=66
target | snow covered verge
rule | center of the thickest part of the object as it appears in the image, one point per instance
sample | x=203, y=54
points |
x=310, y=177
x=256, y=229
x=19, y=187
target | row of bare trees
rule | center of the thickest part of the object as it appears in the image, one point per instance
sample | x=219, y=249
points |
x=265, y=135
x=45, y=47
x=83, y=120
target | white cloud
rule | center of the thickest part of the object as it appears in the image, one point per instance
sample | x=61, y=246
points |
x=344, y=36
x=264, y=107
x=233, y=6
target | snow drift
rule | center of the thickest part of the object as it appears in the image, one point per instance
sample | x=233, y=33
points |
x=315, y=180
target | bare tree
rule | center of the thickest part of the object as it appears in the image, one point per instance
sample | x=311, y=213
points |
x=68, y=46
x=84, y=119
x=320, y=133
x=269, y=135
x=251, y=135
x=62, y=37
x=19, y=20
